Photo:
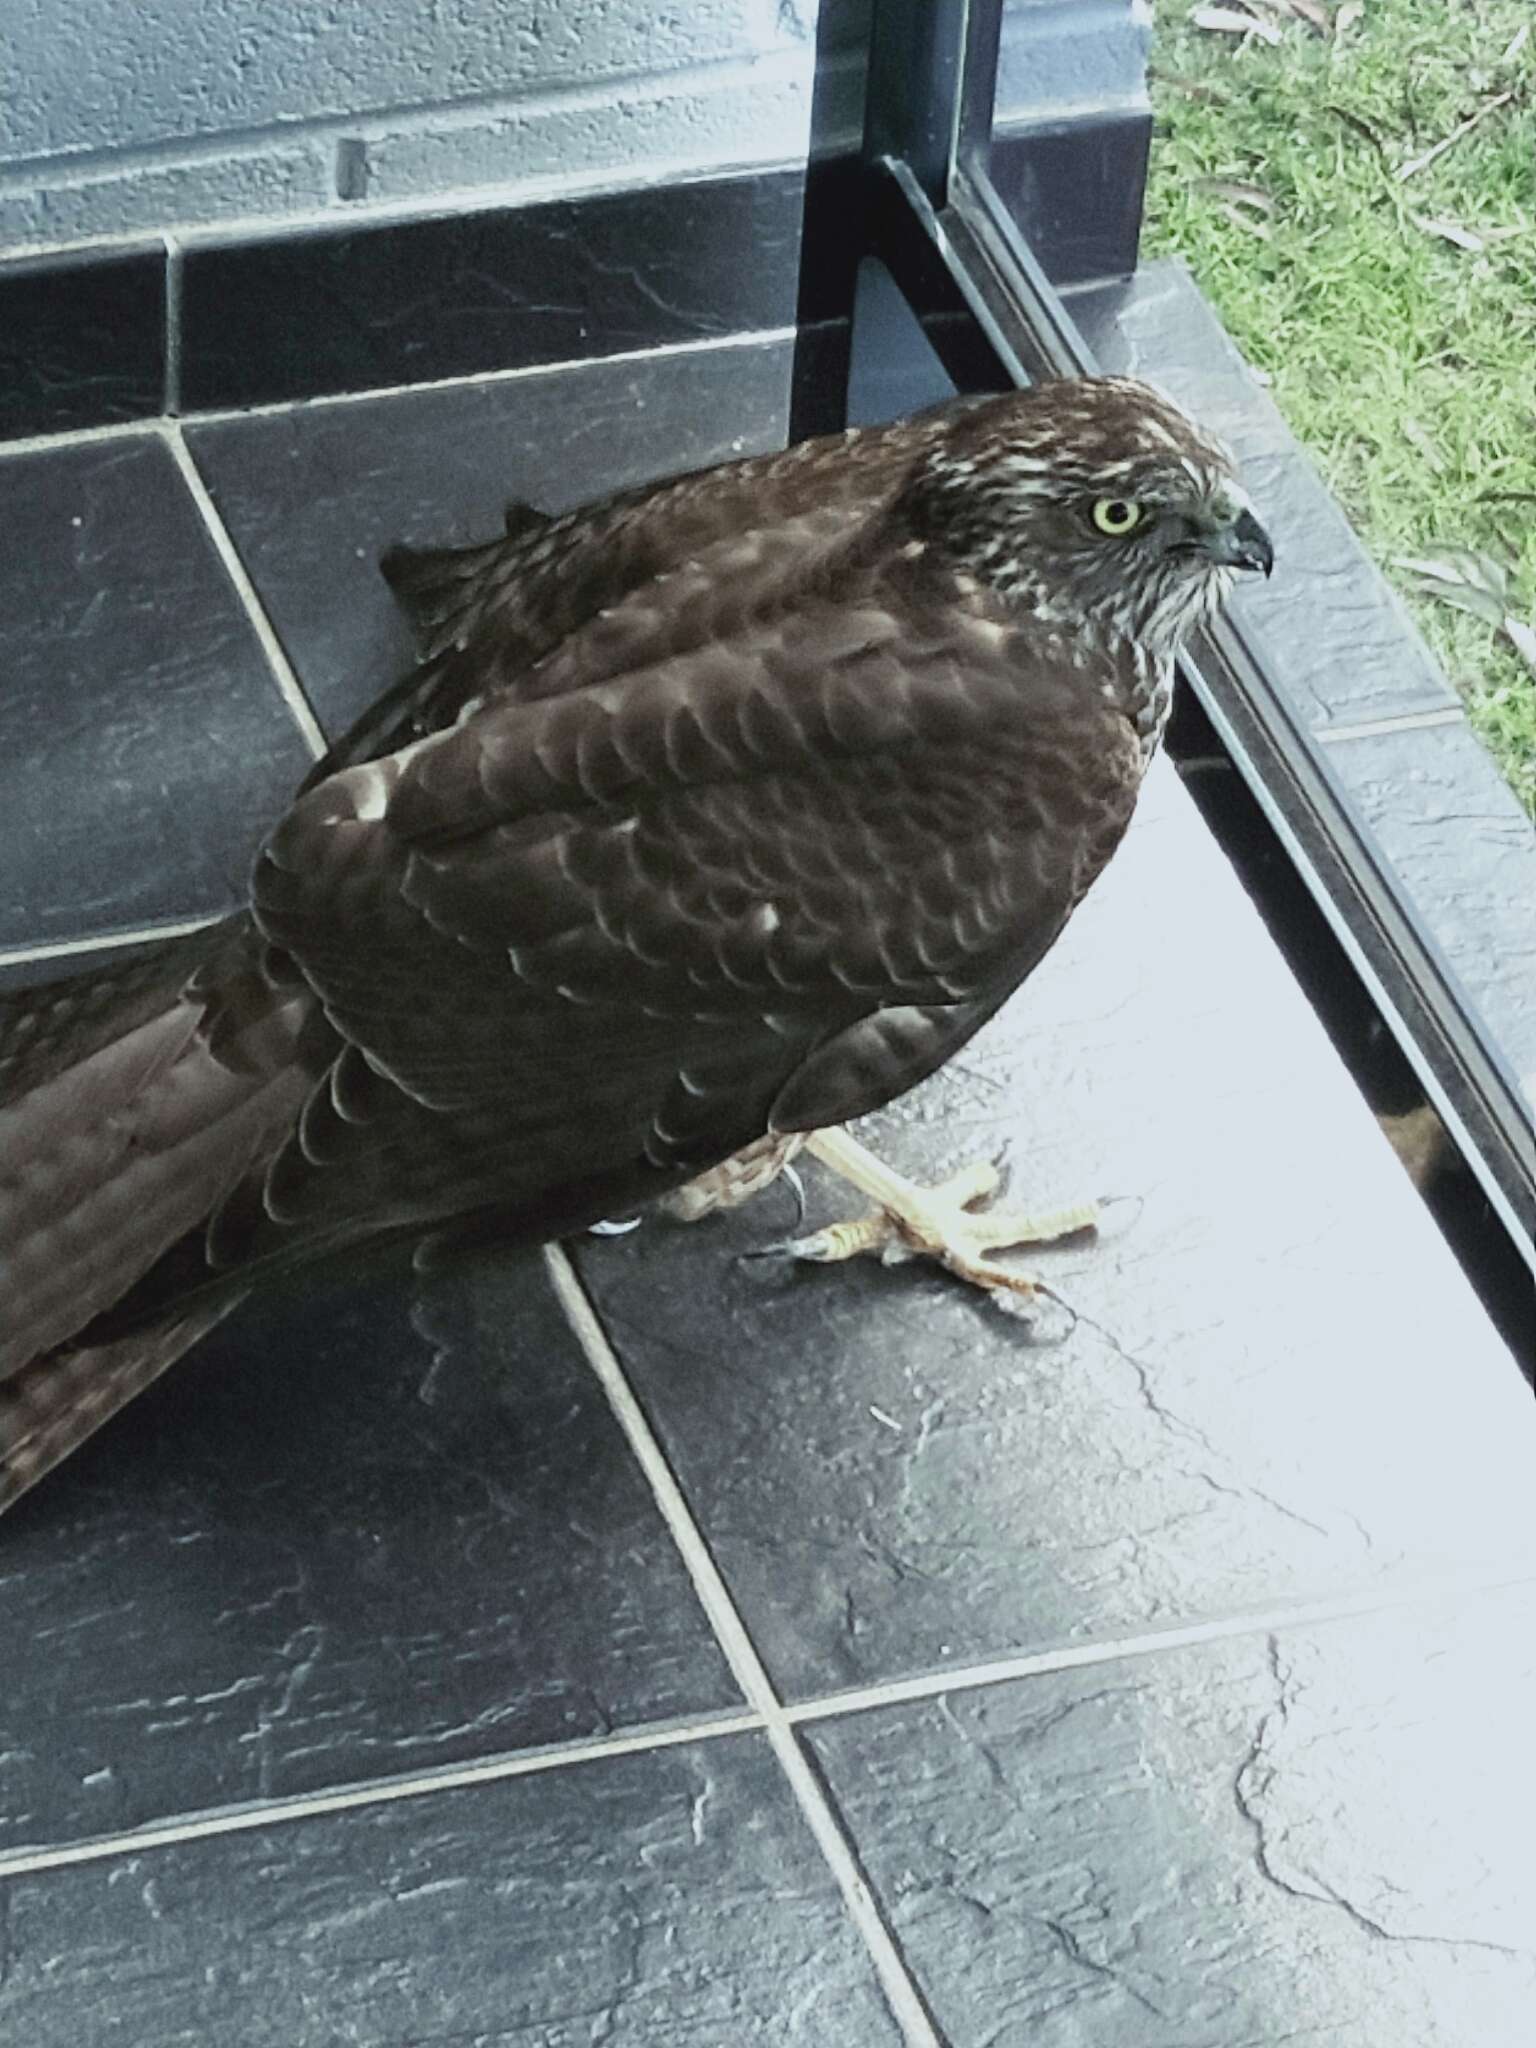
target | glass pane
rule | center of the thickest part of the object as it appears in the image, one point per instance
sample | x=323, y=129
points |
x=1353, y=189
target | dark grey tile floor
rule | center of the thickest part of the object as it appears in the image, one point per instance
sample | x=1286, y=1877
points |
x=670, y=1896
x=665, y=1649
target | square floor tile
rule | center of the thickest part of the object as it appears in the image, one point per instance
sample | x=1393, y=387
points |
x=375, y=1524
x=144, y=748
x=82, y=340
x=672, y=1899
x=1328, y=1836
x=314, y=497
x=1280, y=1384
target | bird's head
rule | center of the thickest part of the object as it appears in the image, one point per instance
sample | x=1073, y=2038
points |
x=1094, y=503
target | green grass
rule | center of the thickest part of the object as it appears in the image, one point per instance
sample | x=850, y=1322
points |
x=1405, y=363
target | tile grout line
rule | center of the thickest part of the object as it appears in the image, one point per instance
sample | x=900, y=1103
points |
x=78, y=437
x=744, y=338
x=1362, y=1603
x=244, y=1820
x=173, y=273
x=289, y=687
x=320, y=401
x=730, y=1630
x=1404, y=721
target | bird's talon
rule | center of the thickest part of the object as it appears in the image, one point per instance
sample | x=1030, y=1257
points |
x=836, y=1242
x=973, y=1184
x=951, y=1224
x=781, y=1248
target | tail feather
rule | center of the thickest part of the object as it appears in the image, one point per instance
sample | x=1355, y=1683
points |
x=56, y=1024
x=437, y=587
x=114, y=1159
x=51, y=1406
x=132, y=1100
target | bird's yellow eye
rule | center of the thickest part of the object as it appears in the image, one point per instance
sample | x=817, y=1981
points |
x=1117, y=516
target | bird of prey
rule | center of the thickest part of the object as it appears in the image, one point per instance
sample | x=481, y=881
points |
x=714, y=815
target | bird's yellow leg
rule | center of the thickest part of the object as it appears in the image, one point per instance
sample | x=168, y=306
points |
x=946, y=1222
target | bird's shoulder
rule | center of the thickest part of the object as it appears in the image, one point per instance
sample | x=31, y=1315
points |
x=738, y=668
x=486, y=615
x=549, y=572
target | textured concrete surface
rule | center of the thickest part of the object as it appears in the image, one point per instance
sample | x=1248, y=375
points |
x=1454, y=831
x=1061, y=59
x=162, y=114
x=108, y=78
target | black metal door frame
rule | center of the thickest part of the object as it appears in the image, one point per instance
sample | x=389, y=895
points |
x=924, y=203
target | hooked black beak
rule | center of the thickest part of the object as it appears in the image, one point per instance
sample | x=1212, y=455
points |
x=1242, y=545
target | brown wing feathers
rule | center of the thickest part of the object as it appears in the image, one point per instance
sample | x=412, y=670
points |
x=709, y=851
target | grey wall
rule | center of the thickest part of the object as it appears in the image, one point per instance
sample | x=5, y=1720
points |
x=118, y=115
